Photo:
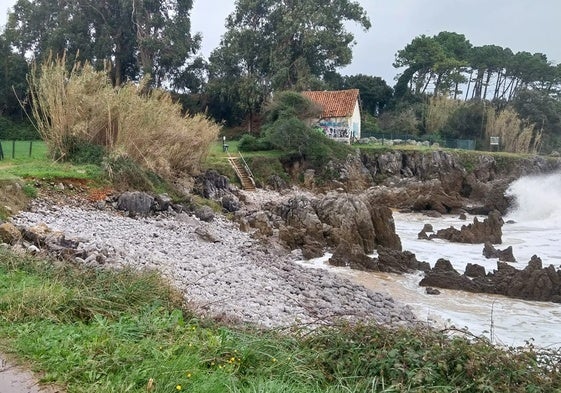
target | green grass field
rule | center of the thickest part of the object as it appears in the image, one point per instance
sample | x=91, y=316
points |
x=19, y=151
x=18, y=163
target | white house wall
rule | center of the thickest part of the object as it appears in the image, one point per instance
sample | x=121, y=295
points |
x=342, y=129
x=356, y=125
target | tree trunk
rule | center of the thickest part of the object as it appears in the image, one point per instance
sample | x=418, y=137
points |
x=469, y=84
x=487, y=81
x=478, y=84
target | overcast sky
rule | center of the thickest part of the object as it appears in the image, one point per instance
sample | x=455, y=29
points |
x=521, y=25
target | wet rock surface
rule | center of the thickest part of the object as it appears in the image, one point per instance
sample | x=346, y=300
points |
x=534, y=282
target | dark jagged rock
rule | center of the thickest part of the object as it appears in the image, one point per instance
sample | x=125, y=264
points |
x=231, y=203
x=504, y=255
x=352, y=255
x=531, y=283
x=443, y=275
x=474, y=270
x=163, y=202
x=423, y=234
x=428, y=228
x=277, y=183
x=489, y=230
x=211, y=185
x=394, y=261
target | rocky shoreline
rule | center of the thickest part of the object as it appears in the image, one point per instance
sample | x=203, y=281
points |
x=222, y=271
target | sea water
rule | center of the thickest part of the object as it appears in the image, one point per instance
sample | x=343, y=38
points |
x=534, y=229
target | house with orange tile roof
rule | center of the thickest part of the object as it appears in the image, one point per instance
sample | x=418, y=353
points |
x=340, y=117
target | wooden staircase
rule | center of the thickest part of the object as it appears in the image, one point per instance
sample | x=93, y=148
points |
x=243, y=172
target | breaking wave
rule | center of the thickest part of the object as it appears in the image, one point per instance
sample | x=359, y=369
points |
x=536, y=198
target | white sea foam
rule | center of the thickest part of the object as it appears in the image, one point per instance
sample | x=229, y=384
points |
x=537, y=198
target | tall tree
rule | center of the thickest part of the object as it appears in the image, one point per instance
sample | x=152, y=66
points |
x=375, y=94
x=274, y=45
x=135, y=37
x=13, y=83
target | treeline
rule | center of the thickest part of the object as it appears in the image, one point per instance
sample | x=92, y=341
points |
x=447, y=87
x=448, y=61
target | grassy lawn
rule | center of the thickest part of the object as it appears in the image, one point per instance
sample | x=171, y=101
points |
x=218, y=158
x=19, y=164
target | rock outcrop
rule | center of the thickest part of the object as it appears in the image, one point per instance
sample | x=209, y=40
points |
x=488, y=230
x=505, y=255
x=388, y=260
x=314, y=225
x=534, y=282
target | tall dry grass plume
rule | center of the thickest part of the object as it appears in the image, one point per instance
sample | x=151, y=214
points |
x=149, y=128
x=438, y=112
x=516, y=135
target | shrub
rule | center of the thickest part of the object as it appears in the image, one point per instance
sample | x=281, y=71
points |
x=125, y=174
x=148, y=128
x=251, y=143
x=288, y=131
x=84, y=152
x=19, y=131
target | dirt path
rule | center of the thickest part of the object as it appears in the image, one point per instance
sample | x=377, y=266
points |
x=15, y=379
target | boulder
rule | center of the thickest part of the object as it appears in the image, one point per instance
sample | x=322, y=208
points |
x=9, y=234
x=212, y=185
x=135, y=202
x=162, y=202
x=277, y=183
x=231, y=203
x=432, y=291
x=204, y=213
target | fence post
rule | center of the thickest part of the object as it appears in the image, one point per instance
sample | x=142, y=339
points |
x=1, y=152
x=13, y=149
x=30, y=147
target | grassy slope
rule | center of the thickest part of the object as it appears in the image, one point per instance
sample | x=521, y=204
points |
x=113, y=331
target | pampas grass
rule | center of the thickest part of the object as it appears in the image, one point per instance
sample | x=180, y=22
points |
x=149, y=128
x=438, y=111
x=516, y=135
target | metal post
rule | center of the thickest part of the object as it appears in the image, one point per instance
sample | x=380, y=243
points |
x=1, y=152
x=13, y=149
x=30, y=147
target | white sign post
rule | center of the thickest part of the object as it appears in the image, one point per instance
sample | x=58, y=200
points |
x=494, y=142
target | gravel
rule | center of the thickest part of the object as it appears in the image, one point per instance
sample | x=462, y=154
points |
x=221, y=271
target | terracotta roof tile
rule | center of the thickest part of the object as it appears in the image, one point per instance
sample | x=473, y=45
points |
x=334, y=103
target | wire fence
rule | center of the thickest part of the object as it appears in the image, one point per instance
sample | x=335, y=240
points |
x=465, y=144
x=16, y=149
